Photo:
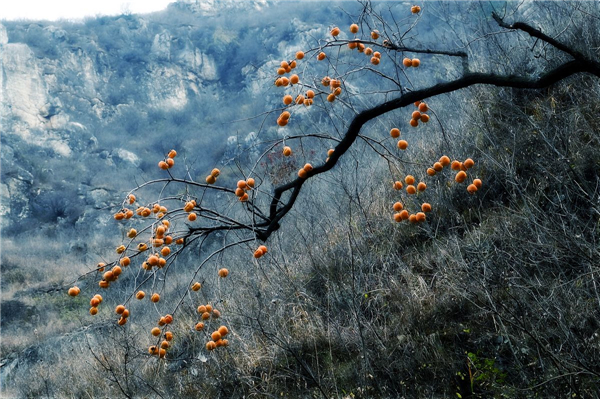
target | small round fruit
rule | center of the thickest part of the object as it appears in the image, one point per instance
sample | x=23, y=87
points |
x=477, y=183
x=431, y=172
x=140, y=295
x=402, y=144
x=398, y=206
x=210, y=179
x=205, y=316
x=215, y=336
x=354, y=28
x=74, y=291
x=192, y=216
x=335, y=31
x=404, y=214
x=421, y=186
x=93, y=310
x=201, y=309
x=414, y=122
x=395, y=133
x=455, y=165
x=155, y=297
x=421, y=217
x=196, y=286
x=119, y=309
x=426, y=207
x=375, y=60
x=438, y=167
x=415, y=62
x=409, y=179
x=321, y=56
x=424, y=118
x=299, y=55
x=407, y=62
x=155, y=331
x=468, y=163
x=461, y=176
x=223, y=273
x=398, y=185
x=223, y=331
x=423, y=107
x=375, y=35
x=410, y=189
x=211, y=345
x=472, y=189
x=302, y=174
x=287, y=151
x=153, y=260
x=444, y=160
x=199, y=326
x=163, y=165
x=172, y=154
x=109, y=276
x=168, y=319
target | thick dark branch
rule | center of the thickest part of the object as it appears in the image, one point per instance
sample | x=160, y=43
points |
x=533, y=32
x=279, y=209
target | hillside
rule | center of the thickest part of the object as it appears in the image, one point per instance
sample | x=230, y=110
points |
x=493, y=295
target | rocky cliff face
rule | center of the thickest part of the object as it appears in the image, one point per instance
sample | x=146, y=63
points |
x=82, y=102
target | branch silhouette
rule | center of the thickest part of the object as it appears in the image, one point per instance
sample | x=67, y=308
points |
x=581, y=64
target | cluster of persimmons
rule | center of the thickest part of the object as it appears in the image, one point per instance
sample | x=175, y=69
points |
x=156, y=244
x=159, y=248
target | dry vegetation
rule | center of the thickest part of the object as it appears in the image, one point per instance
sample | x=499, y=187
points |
x=488, y=290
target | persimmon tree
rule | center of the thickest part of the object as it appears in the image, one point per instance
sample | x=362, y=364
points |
x=178, y=215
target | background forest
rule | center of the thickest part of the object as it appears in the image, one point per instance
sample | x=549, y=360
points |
x=495, y=295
